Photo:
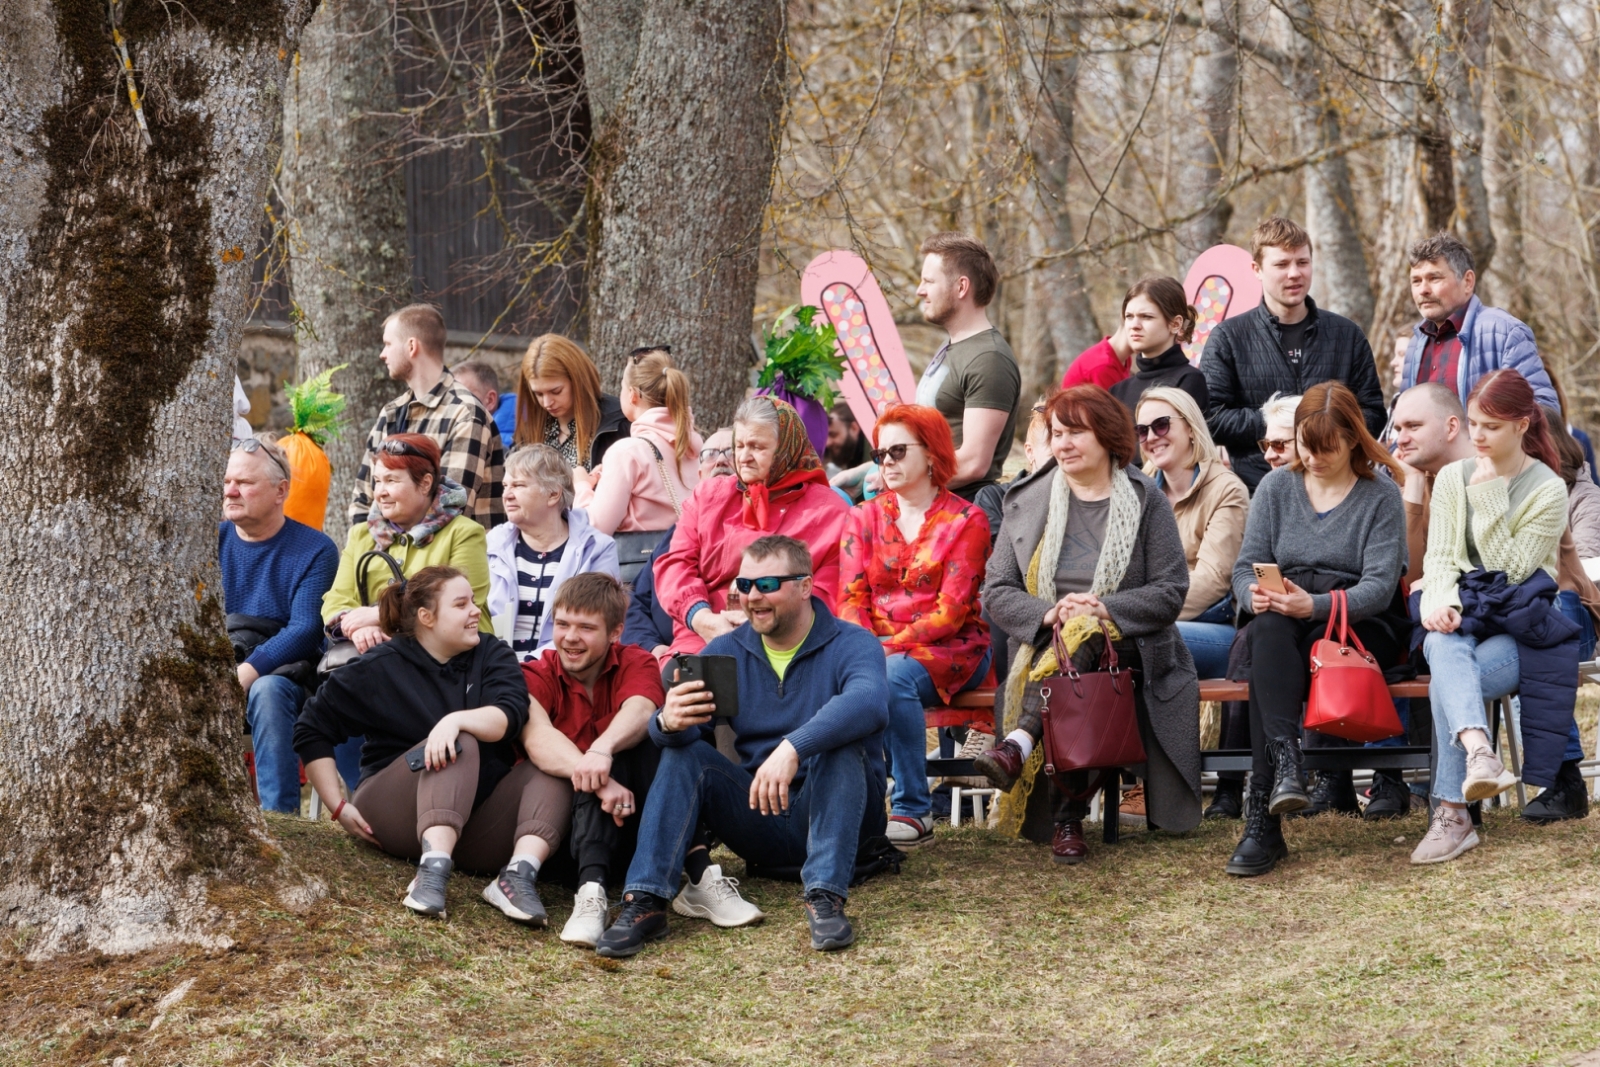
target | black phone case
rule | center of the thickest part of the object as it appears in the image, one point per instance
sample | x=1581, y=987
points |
x=416, y=758
x=721, y=676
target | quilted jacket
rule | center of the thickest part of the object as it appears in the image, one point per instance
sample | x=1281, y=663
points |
x=1490, y=339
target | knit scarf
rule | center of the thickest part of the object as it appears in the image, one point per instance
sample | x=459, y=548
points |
x=1031, y=665
x=794, y=464
x=451, y=501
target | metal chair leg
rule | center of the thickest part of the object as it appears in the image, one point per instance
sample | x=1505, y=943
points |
x=1513, y=737
x=955, y=805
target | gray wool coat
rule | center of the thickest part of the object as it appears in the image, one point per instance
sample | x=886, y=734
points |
x=1144, y=607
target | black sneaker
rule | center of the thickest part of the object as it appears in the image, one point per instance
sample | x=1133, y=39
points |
x=1568, y=799
x=830, y=930
x=1389, y=798
x=515, y=894
x=425, y=894
x=643, y=919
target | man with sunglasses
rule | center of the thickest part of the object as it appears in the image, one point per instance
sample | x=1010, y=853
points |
x=809, y=785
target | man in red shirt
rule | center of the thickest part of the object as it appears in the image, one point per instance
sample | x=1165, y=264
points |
x=1104, y=364
x=588, y=723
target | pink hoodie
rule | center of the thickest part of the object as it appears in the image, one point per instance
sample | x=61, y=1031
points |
x=631, y=494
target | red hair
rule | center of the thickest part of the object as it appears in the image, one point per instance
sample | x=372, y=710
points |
x=1329, y=420
x=1506, y=395
x=1091, y=408
x=412, y=464
x=930, y=428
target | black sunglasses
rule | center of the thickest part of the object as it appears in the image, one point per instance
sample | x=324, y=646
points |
x=1160, y=427
x=894, y=452
x=252, y=446
x=645, y=350
x=765, y=585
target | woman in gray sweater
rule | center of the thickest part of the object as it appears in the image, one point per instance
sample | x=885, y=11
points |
x=1328, y=522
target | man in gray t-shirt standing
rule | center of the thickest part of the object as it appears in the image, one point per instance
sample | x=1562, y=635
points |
x=973, y=381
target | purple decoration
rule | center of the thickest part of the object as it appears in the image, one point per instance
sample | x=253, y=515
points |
x=812, y=414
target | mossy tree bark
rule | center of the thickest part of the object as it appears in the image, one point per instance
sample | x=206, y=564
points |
x=688, y=113
x=345, y=196
x=123, y=276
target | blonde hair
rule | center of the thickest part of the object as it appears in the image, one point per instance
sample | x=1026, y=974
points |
x=545, y=467
x=554, y=356
x=661, y=385
x=1203, y=447
x=1281, y=406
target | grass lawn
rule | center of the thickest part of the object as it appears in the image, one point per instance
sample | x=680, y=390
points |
x=979, y=952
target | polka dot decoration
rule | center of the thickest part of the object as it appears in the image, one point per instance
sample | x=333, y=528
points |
x=843, y=306
x=1211, y=302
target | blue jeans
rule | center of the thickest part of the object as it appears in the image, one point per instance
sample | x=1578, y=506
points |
x=695, y=784
x=1208, y=643
x=271, y=708
x=1463, y=673
x=1568, y=604
x=906, y=739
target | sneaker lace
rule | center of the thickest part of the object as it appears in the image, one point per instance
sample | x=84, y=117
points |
x=723, y=888
x=824, y=905
x=975, y=745
x=431, y=877
x=633, y=911
x=586, y=906
x=1439, y=825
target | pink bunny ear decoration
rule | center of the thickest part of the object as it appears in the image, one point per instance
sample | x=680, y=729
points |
x=842, y=285
x=1221, y=284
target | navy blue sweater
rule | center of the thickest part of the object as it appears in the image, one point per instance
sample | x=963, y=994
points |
x=281, y=578
x=835, y=691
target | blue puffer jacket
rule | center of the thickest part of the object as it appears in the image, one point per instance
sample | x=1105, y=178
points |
x=835, y=691
x=1490, y=339
x=1547, y=657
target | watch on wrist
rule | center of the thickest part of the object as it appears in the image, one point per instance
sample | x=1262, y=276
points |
x=661, y=722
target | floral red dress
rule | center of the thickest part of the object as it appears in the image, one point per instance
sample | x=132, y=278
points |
x=922, y=596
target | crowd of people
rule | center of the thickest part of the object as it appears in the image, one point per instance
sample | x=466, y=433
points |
x=500, y=672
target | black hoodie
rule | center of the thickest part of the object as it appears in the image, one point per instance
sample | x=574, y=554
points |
x=1172, y=368
x=396, y=693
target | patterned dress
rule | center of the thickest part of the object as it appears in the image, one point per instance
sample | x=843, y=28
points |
x=922, y=596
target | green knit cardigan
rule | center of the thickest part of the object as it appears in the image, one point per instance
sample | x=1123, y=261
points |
x=1517, y=542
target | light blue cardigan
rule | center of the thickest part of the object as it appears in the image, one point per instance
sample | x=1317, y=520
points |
x=587, y=550
x=1490, y=339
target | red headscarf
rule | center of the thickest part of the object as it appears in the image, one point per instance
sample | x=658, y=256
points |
x=794, y=464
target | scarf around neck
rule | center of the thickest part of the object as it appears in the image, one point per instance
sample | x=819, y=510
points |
x=451, y=501
x=794, y=464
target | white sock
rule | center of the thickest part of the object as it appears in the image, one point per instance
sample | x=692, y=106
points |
x=435, y=855
x=1023, y=740
x=525, y=857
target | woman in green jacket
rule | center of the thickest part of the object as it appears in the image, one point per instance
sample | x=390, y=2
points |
x=417, y=519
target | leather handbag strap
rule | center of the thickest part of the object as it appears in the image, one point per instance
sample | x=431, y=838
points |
x=661, y=465
x=361, y=572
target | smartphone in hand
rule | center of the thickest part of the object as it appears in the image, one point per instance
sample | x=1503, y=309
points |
x=721, y=677
x=1269, y=577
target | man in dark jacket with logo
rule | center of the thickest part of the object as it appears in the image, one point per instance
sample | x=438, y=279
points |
x=809, y=786
x=1286, y=345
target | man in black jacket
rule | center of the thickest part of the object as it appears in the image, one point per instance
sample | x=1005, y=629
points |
x=1286, y=345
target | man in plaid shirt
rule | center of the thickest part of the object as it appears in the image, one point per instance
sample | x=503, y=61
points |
x=436, y=405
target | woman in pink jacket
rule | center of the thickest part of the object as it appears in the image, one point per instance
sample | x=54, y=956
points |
x=647, y=477
x=779, y=487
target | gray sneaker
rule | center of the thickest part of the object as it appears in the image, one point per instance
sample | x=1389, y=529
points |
x=1486, y=776
x=1449, y=835
x=515, y=895
x=425, y=894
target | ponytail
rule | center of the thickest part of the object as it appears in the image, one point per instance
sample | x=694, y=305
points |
x=1191, y=318
x=677, y=398
x=400, y=602
x=660, y=384
x=1169, y=298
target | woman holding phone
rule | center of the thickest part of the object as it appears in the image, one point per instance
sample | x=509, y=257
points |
x=1324, y=522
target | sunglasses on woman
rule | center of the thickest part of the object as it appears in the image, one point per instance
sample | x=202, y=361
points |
x=1159, y=427
x=894, y=452
x=766, y=585
x=1270, y=445
x=252, y=446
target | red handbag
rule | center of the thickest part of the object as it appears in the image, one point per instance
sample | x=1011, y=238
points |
x=1349, y=697
x=1089, y=721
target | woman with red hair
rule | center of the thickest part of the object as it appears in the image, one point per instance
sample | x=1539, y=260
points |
x=1488, y=604
x=910, y=568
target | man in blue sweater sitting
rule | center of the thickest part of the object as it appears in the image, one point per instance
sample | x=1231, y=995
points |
x=813, y=704
x=274, y=572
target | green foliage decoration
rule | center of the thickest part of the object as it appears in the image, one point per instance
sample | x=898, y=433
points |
x=315, y=408
x=805, y=356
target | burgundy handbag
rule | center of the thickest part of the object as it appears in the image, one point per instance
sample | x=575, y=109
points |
x=1089, y=721
x=1349, y=697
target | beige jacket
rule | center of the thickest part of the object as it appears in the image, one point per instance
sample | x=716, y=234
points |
x=1211, y=519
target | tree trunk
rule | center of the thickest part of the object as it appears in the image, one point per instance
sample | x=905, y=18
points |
x=1503, y=178
x=344, y=195
x=1462, y=68
x=1203, y=141
x=123, y=276
x=681, y=175
x=1340, y=282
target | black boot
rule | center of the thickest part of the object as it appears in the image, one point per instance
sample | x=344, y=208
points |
x=1389, y=798
x=1289, y=777
x=1567, y=799
x=1228, y=801
x=1262, y=845
x=1331, y=791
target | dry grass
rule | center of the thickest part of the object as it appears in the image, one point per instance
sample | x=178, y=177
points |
x=979, y=952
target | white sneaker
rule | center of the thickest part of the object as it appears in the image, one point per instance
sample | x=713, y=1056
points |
x=589, y=912
x=716, y=898
x=905, y=831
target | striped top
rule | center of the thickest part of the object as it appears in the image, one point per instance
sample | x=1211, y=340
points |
x=535, y=572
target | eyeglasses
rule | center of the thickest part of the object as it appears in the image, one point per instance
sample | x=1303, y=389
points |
x=252, y=446
x=1160, y=427
x=716, y=453
x=1270, y=445
x=765, y=585
x=894, y=452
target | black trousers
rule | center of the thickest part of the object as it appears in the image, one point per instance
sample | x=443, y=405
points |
x=596, y=848
x=1280, y=679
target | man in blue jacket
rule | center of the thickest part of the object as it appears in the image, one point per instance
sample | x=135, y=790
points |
x=1459, y=340
x=813, y=704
